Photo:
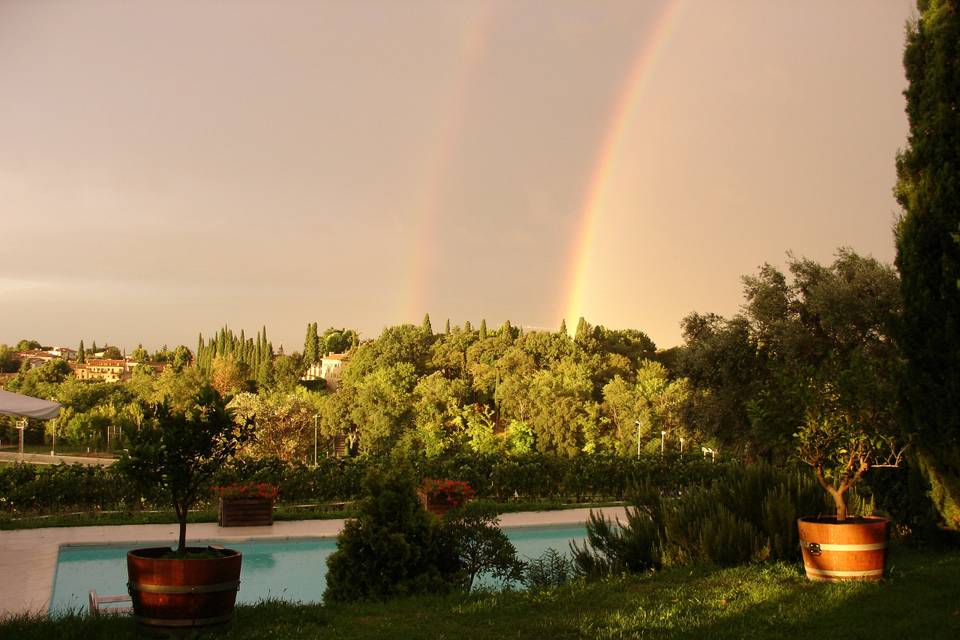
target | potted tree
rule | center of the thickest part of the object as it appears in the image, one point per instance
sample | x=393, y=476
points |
x=841, y=447
x=177, y=454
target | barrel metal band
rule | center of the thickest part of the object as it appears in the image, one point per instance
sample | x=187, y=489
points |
x=182, y=622
x=186, y=588
x=843, y=574
x=845, y=547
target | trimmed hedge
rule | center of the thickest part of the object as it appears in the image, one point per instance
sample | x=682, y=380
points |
x=48, y=489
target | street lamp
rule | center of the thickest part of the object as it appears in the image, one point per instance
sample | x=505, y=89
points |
x=663, y=435
x=637, y=422
x=316, y=419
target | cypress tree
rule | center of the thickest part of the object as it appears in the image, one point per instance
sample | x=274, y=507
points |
x=928, y=188
x=483, y=329
x=583, y=330
x=81, y=354
x=467, y=326
x=310, y=346
x=426, y=327
x=507, y=331
x=93, y=348
x=447, y=329
x=563, y=327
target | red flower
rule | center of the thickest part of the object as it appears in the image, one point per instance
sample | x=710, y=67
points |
x=451, y=492
x=248, y=489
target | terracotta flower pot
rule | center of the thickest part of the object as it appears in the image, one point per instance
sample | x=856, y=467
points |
x=182, y=593
x=855, y=549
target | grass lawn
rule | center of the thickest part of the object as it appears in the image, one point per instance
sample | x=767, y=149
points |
x=920, y=599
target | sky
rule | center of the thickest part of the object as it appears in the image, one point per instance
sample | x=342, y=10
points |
x=168, y=168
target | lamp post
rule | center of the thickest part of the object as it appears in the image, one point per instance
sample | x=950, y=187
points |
x=663, y=436
x=637, y=422
x=316, y=419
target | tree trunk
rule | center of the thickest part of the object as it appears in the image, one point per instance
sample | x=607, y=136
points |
x=182, y=543
x=841, y=505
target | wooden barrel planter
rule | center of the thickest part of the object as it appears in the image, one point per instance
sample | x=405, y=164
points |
x=246, y=512
x=179, y=594
x=855, y=549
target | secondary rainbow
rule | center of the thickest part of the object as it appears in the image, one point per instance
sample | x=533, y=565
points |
x=447, y=137
x=596, y=193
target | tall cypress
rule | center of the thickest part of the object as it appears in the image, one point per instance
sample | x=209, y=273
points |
x=426, y=327
x=928, y=188
x=483, y=329
x=309, y=346
x=563, y=327
x=446, y=330
x=81, y=354
x=583, y=330
x=507, y=331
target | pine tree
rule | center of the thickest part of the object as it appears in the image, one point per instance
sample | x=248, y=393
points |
x=928, y=188
x=426, y=327
x=483, y=329
x=81, y=354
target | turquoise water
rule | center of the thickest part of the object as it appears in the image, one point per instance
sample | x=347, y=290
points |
x=293, y=570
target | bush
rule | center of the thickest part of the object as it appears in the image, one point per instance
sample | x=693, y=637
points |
x=393, y=548
x=481, y=547
x=548, y=571
x=749, y=514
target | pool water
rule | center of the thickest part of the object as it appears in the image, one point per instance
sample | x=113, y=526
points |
x=293, y=570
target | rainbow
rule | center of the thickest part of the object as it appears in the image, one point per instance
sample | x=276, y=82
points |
x=473, y=50
x=598, y=187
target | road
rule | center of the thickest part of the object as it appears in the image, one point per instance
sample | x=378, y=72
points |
x=44, y=458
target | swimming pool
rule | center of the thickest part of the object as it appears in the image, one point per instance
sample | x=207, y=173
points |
x=292, y=569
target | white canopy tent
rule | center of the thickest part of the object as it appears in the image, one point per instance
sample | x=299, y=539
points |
x=15, y=404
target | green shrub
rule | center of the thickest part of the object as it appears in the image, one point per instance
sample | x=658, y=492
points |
x=392, y=548
x=550, y=570
x=748, y=514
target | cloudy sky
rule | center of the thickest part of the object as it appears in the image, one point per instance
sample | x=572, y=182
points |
x=171, y=167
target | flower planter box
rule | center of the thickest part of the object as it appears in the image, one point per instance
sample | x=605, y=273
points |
x=246, y=512
x=436, y=507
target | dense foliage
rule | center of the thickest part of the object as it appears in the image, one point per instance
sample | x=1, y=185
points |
x=750, y=514
x=178, y=452
x=394, y=547
x=29, y=489
x=928, y=188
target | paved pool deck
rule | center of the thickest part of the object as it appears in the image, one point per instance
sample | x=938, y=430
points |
x=28, y=557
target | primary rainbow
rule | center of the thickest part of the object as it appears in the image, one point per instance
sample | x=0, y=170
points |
x=596, y=193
